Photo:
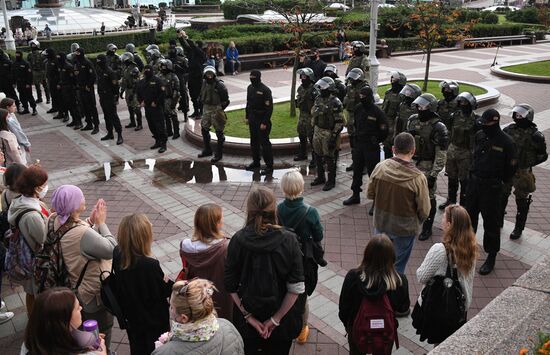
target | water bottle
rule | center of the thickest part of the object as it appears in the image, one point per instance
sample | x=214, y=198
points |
x=92, y=327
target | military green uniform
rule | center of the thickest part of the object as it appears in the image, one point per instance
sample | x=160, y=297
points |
x=361, y=62
x=328, y=122
x=129, y=84
x=172, y=97
x=445, y=109
x=155, y=63
x=531, y=147
x=304, y=101
x=391, y=109
x=351, y=100
x=403, y=114
x=38, y=66
x=114, y=62
x=459, y=155
x=215, y=99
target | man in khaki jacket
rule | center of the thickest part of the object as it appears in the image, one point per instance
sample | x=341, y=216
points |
x=401, y=199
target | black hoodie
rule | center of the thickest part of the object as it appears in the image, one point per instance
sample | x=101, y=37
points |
x=353, y=291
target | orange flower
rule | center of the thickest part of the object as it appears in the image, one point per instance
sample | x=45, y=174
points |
x=547, y=345
x=523, y=351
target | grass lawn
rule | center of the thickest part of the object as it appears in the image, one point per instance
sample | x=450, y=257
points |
x=284, y=126
x=541, y=68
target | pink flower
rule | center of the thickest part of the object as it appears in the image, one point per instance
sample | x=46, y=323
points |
x=163, y=339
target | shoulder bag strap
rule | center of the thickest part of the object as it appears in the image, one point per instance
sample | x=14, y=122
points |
x=302, y=217
x=81, y=277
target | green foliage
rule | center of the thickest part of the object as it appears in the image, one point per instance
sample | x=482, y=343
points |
x=358, y=20
x=541, y=68
x=466, y=15
x=209, y=2
x=395, y=22
x=233, y=8
x=525, y=15
x=489, y=18
x=484, y=30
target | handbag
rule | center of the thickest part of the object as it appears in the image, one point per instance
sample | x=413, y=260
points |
x=443, y=309
x=108, y=281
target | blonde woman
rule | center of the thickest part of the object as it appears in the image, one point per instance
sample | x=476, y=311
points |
x=195, y=329
x=142, y=289
x=206, y=252
x=459, y=245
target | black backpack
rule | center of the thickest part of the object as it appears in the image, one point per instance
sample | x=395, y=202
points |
x=443, y=309
x=4, y=224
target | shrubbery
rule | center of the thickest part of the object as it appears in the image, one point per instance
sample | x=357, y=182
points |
x=525, y=15
x=488, y=17
x=232, y=8
x=483, y=30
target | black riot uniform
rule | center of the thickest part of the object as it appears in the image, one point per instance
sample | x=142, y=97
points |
x=108, y=90
x=181, y=69
x=7, y=82
x=52, y=77
x=22, y=73
x=494, y=163
x=151, y=93
x=197, y=58
x=67, y=89
x=86, y=79
x=371, y=129
x=259, y=108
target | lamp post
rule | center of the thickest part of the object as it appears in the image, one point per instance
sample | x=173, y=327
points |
x=373, y=61
x=9, y=41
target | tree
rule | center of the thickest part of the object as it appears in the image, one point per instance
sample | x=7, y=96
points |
x=436, y=24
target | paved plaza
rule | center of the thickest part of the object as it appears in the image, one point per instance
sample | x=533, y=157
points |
x=169, y=187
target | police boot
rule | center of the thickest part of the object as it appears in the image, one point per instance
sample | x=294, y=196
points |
x=521, y=217
x=463, y=190
x=38, y=95
x=138, y=120
x=219, y=148
x=427, y=226
x=488, y=265
x=108, y=136
x=88, y=127
x=313, y=162
x=132, y=123
x=176, y=125
x=206, y=151
x=195, y=113
x=78, y=124
x=65, y=117
x=331, y=167
x=320, y=179
x=302, y=150
x=353, y=200
x=95, y=130
x=185, y=116
x=169, y=131
x=452, y=189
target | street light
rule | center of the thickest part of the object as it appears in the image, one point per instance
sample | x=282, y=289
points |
x=10, y=43
x=373, y=61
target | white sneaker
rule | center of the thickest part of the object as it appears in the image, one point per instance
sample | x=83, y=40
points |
x=6, y=316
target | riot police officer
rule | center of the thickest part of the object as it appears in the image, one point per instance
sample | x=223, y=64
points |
x=328, y=122
x=52, y=77
x=154, y=60
x=494, y=163
x=215, y=99
x=332, y=72
x=67, y=88
x=391, y=107
x=86, y=78
x=108, y=90
x=36, y=60
x=128, y=87
x=172, y=85
x=531, y=147
x=406, y=109
x=148, y=51
x=22, y=73
x=359, y=59
x=130, y=48
x=113, y=60
x=304, y=102
x=371, y=129
x=151, y=92
x=356, y=81
x=448, y=104
x=463, y=127
x=259, y=107
x=431, y=140
x=7, y=83
x=181, y=69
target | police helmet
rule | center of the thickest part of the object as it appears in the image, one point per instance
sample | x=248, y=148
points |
x=179, y=51
x=151, y=46
x=166, y=63
x=525, y=111
x=70, y=57
x=331, y=68
x=449, y=85
x=325, y=83
x=35, y=42
x=426, y=102
x=130, y=48
x=154, y=53
x=398, y=76
x=355, y=74
x=307, y=72
x=135, y=72
x=111, y=47
x=360, y=45
x=74, y=47
x=469, y=98
x=127, y=57
x=209, y=69
x=410, y=90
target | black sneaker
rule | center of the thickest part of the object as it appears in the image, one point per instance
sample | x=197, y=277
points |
x=88, y=127
x=176, y=135
x=25, y=112
x=107, y=137
x=155, y=146
x=95, y=130
x=318, y=181
x=204, y=153
x=162, y=149
x=355, y=199
x=130, y=125
x=138, y=128
x=252, y=166
x=329, y=185
x=34, y=113
x=119, y=140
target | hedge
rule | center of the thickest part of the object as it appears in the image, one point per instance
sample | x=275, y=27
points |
x=525, y=15
x=483, y=30
x=233, y=8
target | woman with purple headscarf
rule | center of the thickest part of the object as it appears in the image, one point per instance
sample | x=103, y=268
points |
x=87, y=248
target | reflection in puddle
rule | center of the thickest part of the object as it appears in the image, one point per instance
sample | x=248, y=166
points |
x=193, y=171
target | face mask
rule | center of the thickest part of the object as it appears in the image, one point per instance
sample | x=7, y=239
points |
x=43, y=193
x=522, y=122
x=255, y=81
x=209, y=80
x=356, y=52
x=465, y=109
x=490, y=131
x=424, y=114
x=305, y=82
x=325, y=93
x=408, y=100
x=148, y=74
x=448, y=95
x=34, y=49
x=367, y=101
x=396, y=87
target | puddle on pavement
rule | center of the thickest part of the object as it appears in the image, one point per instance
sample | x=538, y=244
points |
x=193, y=171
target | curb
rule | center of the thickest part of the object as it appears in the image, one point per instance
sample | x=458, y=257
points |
x=498, y=71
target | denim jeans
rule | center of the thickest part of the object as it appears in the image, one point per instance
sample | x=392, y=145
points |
x=403, y=248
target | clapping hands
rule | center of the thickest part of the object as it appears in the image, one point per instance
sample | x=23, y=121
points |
x=99, y=212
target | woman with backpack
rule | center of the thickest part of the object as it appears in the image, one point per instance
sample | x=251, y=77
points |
x=375, y=286
x=459, y=247
x=87, y=250
x=141, y=287
x=304, y=220
x=28, y=215
x=264, y=275
x=205, y=254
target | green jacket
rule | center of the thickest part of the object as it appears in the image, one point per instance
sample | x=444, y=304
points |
x=291, y=211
